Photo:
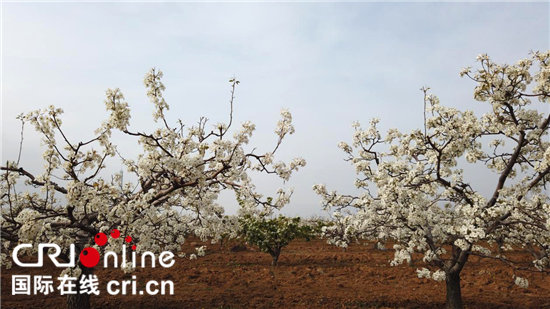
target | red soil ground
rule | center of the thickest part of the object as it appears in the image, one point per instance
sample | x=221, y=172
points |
x=309, y=275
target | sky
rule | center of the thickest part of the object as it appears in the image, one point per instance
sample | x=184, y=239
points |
x=329, y=63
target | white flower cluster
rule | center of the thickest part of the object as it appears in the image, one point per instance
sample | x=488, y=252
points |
x=201, y=251
x=416, y=194
x=438, y=275
x=180, y=173
x=154, y=91
x=128, y=268
x=521, y=282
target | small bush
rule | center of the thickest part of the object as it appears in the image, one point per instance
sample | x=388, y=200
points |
x=271, y=235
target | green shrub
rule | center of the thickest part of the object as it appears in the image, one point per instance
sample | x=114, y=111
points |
x=271, y=235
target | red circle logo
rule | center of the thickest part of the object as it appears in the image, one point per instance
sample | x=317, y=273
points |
x=128, y=239
x=115, y=233
x=89, y=257
x=100, y=239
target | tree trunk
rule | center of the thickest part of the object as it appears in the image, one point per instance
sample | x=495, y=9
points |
x=80, y=301
x=454, y=296
x=500, y=243
x=275, y=257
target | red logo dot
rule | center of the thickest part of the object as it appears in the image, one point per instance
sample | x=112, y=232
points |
x=134, y=247
x=128, y=239
x=115, y=233
x=89, y=257
x=100, y=239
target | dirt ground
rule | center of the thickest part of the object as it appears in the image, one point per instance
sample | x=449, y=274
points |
x=309, y=275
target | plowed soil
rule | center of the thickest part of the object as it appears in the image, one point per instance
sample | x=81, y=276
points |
x=310, y=275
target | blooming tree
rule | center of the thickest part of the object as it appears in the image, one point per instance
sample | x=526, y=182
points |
x=415, y=193
x=180, y=174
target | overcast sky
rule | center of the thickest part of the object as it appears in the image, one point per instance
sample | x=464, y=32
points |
x=329, y=63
